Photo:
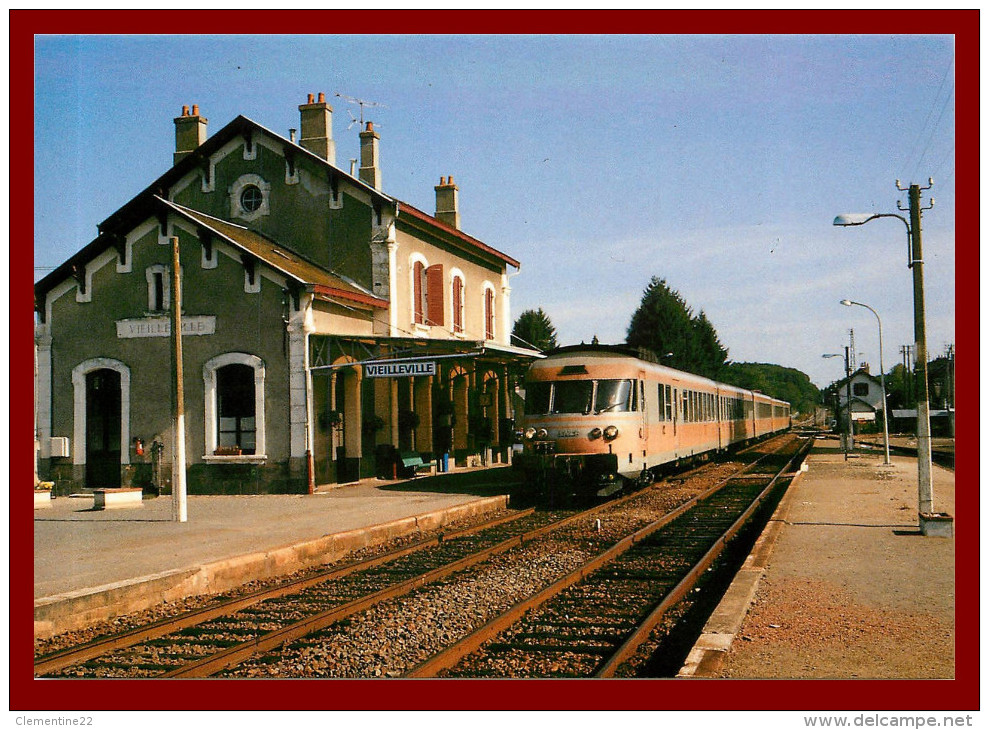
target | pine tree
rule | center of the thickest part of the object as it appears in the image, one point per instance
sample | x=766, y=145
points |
x=533, y=329
x=663, y=323
x=710, y=353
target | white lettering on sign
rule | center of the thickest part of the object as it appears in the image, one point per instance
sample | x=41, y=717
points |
x=162, y=326
x=399, y=369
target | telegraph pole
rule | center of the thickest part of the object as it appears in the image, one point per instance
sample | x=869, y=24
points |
x=849, y=437
x=925, y=482
x=179, y=513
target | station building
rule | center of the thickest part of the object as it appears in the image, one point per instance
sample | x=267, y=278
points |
x=866, y=403
x=326, y=326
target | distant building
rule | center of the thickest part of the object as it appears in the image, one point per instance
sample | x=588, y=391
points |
x=324, y=322
x=866, y=397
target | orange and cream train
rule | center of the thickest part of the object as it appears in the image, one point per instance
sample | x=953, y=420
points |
x=600, y=416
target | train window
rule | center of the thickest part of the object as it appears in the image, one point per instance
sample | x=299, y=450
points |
x=537, y=398
x=669, y=403
x=573, y=396
x=662, y=402
x=614, y=395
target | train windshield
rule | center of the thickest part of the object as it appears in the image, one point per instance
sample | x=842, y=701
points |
x=613, y=395
x=573, y=396
x=537, y=398
x=579, y=396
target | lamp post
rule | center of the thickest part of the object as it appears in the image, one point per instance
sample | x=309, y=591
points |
x=915, y=261
x=882, y=371
x=847, y=438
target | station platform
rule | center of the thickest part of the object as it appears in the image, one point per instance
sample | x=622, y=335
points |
x=841, y=584
x=91, y=565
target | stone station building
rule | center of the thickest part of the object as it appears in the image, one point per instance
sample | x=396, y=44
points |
x=327, y=328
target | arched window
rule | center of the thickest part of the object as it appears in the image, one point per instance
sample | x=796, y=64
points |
x=234, y=384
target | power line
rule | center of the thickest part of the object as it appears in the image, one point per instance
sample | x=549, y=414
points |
x=923, y=128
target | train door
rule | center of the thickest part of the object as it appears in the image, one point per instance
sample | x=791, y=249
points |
x=676, y=411
x=719, y=415
x=644, y=415
x=103, y=411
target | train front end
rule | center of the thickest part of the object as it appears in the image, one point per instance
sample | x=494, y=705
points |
x=581, y=418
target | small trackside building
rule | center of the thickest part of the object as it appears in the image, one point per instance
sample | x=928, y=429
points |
x=326, y=326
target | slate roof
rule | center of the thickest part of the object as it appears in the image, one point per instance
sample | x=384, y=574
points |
x=146, y=202
x=280, y=258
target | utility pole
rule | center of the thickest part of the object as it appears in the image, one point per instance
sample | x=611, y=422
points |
x=849, y=436
x=925, y=479
x=179, y=512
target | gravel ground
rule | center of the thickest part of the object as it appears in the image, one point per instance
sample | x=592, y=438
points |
x=169, y=609
x=395, y=636
x=816, y=629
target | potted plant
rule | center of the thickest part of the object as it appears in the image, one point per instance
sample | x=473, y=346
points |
x=408, y=421
x=330, y=419
x=372, y=424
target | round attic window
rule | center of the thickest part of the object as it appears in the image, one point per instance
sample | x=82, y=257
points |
x=251, y=198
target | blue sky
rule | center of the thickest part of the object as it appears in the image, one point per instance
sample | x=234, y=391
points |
x=715, y=162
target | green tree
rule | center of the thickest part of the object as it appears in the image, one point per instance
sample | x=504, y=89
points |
x=898, y=387
x=533, y=329
x=710, y=355
x=787, y=384
x=663, y=323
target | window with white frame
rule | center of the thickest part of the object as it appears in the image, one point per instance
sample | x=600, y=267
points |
x=235, y=423
x=249, y=197
x=159, y=288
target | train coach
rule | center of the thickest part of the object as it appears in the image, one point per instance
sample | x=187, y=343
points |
x=598, y=417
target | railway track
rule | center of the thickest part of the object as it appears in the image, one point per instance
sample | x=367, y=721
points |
x=255, y=630
x=591, y=621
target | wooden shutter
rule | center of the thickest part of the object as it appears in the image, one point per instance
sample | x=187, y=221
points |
x=434, y=295
x=417, y=298
x=488, y=314
x=458, y=304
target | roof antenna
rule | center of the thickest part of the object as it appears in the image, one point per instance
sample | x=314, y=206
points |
x=361, y=103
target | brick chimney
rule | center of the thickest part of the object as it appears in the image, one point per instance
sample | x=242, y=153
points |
x=190, y=132
x=447, y=208
x=370, y=171
x=317, y=128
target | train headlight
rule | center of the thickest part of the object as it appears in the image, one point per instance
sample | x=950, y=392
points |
x=542, y=433
x=611, y=433
x=530, y=433
x=594, y=434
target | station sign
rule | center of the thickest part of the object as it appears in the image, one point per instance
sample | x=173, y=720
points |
x=162, y=326
x=400, y=369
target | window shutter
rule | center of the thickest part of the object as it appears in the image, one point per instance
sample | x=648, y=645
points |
x=458, y=304
x=434, y=295
x=417, y=298
x=489, y=314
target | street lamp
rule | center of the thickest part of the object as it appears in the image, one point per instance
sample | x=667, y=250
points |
x=848, y=439
x=882, y=371
x=915, y=261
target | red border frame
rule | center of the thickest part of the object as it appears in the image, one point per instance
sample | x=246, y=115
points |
x=962, y=693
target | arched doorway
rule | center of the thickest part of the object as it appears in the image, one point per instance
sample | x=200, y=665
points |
x=103, y=411
x=100, y=421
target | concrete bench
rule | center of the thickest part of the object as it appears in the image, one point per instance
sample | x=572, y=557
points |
x=121, y=498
